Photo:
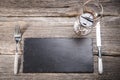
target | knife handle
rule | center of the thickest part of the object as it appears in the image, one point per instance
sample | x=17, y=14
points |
x=100, y=65
x=16, y=64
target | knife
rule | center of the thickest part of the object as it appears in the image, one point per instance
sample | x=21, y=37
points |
x=98, y=42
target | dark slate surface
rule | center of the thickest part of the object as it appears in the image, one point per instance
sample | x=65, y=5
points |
x=48, y=55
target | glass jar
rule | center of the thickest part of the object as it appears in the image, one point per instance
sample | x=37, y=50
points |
x=92, y=11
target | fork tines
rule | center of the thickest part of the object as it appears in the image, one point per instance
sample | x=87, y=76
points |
x=17, y=32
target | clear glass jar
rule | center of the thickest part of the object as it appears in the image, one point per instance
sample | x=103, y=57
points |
x=92, y=11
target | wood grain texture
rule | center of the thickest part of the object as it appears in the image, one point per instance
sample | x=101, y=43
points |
x=55, y=18
x=59, y=8
x=39, y=27
x=111, y=71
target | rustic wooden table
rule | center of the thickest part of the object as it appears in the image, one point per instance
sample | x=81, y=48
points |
x=55, y=18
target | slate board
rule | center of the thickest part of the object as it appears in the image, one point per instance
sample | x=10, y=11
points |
x=58, y=55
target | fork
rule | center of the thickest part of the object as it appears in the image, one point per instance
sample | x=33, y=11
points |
x=17, y=36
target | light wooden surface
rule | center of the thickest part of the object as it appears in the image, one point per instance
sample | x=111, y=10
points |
x=55, y=18
x=111, y=68
x=51, y=7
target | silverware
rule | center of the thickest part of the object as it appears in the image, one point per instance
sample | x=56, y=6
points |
x=98, y=40
x=17, y=36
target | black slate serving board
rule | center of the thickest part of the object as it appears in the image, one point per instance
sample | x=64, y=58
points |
x=48, y=55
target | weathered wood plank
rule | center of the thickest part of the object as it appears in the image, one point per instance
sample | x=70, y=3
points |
x=51, y=7
x=111, y=71
x=39, y=27
x=27, y=14
x=44, y=3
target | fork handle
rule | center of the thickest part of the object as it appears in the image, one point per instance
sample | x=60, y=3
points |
x=16, y=63
x=100, y=65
